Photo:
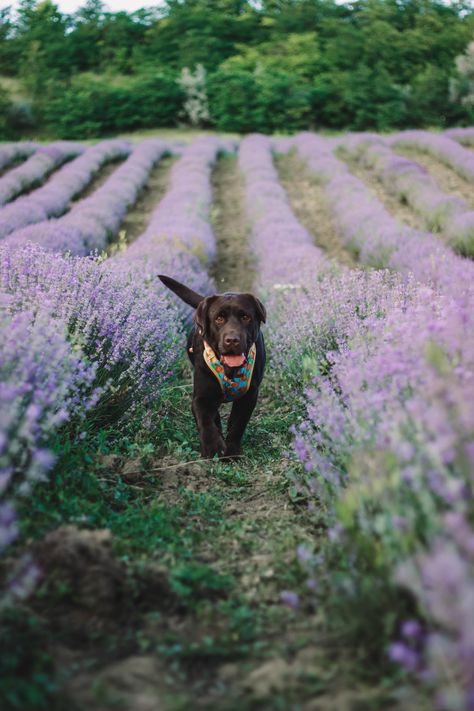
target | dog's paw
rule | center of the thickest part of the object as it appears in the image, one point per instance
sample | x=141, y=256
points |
x=232, y=452
x=215, y=447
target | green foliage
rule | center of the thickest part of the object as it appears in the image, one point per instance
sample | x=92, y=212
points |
x=275, y=66
x=45, y=52
x=233, y=100
x=26, y=669
x=195, y=580
x=266, y=101
x=5, y=106
x=92, y=106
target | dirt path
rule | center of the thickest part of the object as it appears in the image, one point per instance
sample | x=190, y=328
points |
x=309, y=205
x=138, y=216
x=97, y=181
x=218, y=635
x=401, y=211
x=234, y=268
x=448, y=180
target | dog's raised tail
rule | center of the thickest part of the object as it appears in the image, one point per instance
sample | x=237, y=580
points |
x=184, y=292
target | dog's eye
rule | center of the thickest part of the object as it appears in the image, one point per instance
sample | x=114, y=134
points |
x=245, y=318
x=220, y=320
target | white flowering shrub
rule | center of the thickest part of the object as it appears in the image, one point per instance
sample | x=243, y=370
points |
x=196, y=106
x=462, y=87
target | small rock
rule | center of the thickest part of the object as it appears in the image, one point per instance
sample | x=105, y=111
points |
x=228, y=672
x=267, y=678
x=110, y=462
x=133, y=684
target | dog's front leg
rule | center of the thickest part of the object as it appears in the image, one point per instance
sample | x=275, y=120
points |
x=240, y=415
x=206, y=414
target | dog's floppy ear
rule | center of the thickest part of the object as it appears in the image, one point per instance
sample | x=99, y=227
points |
x=184, y=292
x=260, y=308
x=200, y=315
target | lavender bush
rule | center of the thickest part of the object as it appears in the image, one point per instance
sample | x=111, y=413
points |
x=54, y=197
x=322, y=306
x=123, y=332
x=273, y=222
x=409, y=182
x=441, y=147
x=388, y=440
x=92, y=221
x=36, y=168
x=442, y=579
x=45, y=381
x=180, y=223
x=461, y=135
x=179, y=238
x=15, y=151
x=124, y=327
x=375, y=236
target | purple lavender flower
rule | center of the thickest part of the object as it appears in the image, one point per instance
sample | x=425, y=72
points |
x=94, y=219
x=411, y=629
x=290, y=599
x=16, y=151
x=409, y=182
x=52, y=199
x=403, y=654
x=35, y=169
x=442, y=147
x=375, y=236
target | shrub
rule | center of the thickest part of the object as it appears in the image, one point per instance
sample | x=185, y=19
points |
x=4, y=111
x=94, y=106
x=263, y=100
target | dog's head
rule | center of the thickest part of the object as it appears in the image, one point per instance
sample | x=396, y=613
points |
x=229, y=322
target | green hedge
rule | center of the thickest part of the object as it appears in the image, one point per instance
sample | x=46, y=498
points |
x=96, y=106
x=265, y=101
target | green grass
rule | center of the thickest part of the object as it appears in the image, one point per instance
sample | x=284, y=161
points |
x=225, y=537
x=188, y=532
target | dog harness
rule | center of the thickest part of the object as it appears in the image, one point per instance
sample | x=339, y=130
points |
x=236, y=387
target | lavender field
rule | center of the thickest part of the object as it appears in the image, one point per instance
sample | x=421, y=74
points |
x=333, y=566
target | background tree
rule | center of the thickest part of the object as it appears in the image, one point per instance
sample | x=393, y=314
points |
x=462, y=85
x=273, y=65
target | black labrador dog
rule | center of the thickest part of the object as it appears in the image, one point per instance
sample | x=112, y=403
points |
x=227, y=351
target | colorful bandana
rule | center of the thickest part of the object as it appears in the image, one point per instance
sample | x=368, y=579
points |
x=232, y=388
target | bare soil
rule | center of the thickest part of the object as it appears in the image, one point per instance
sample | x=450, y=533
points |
x=308, y=202
x=234, y=267
x=139, y=215
x=401, y=211
x=446, y=178
x=97, y=181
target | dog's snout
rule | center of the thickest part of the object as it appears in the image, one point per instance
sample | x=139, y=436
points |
x=231, y=341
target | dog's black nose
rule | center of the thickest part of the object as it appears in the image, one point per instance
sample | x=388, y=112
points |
x=231, y=341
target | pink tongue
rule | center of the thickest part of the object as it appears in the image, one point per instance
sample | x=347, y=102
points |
x=233, y=361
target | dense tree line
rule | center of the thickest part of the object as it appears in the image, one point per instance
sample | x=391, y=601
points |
x=275, y=65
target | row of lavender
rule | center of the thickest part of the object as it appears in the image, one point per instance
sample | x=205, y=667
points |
x=53, y=198
x=387, y=443
x=12, y=152
x=78, y=333
x=33, y=171
x=410, y=182
x=374, y=235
